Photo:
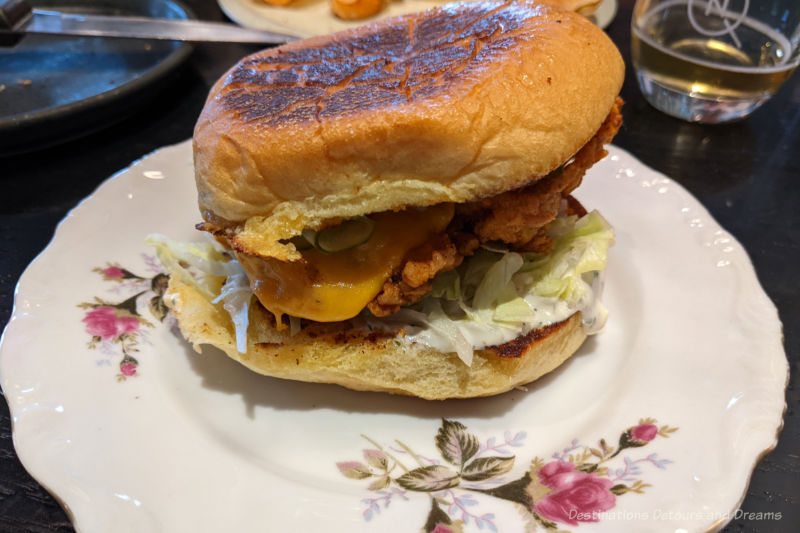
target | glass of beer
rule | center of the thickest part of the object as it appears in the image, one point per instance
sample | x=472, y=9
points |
x=713, y=61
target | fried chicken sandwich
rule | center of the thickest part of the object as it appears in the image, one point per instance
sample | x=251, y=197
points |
x=394, y=205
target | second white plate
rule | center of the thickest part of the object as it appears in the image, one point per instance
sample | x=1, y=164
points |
x=307, y=18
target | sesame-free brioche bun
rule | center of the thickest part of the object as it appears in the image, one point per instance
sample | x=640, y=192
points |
x=584, y=7
x=336, y=353
x=453, y=104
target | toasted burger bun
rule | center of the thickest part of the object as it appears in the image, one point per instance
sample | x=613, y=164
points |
x=584, y=7
x=336, y=353
x=450, y=105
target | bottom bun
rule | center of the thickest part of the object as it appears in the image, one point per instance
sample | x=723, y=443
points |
x=374, y=361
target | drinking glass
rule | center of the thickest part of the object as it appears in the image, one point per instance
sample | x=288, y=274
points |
x=713, y=61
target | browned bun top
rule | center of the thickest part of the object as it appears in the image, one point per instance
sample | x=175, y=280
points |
x=452, y=104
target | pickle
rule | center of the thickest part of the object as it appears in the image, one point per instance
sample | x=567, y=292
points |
x=346, y=235
x=300, y=242
x=310, y=236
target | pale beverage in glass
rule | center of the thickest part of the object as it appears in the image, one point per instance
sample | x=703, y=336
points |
x=713, y=60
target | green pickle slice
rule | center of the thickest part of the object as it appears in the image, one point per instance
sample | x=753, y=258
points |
x=345, y=236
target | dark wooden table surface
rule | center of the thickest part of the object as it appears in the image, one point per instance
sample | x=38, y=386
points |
x=747, y=174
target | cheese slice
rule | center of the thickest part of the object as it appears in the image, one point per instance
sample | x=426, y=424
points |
x=332, y=287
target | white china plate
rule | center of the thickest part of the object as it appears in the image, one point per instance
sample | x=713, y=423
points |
x=306, y=18
x=133, y=431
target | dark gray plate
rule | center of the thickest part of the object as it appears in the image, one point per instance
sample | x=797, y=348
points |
x=55, y=88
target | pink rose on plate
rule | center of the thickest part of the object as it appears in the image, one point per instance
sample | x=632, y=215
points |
x=577, y=496
x=103, y=322
x=113, y=273
x=558, y=474
x=644, y=432
x=128, y=369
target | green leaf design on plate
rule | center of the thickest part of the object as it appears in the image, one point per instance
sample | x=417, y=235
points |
x=429, y=479
x=158, y=308
x=377, y=459
x=380, y=483
x=455, y=443
x=354, y=469
x=487, y=468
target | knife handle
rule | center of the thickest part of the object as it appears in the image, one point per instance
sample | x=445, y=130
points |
x=14, y=14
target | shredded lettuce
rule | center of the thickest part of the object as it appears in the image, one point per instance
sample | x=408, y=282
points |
x=438, y=322
x=517, y=310
x=295, y=324
x=204, y=267
x=581, y=250
x=492, y=280
x=179, y=257
x=235, y=297
x=493, y=289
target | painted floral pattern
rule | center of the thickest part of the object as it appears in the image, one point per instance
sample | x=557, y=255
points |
x=116, y=326
x=577, y=484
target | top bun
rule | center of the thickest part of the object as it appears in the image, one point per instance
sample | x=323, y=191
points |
x=584, y=7
x=453, y=104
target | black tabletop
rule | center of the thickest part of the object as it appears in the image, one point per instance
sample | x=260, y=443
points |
x=747, y=174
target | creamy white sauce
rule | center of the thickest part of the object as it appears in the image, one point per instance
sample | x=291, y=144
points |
x=481, y=335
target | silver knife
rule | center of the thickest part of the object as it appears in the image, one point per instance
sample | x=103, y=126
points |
x=17, y=16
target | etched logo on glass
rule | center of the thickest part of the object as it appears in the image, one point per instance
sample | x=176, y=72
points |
x=730, y=19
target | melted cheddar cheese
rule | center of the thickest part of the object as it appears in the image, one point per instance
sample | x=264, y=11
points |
x=337, y=286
